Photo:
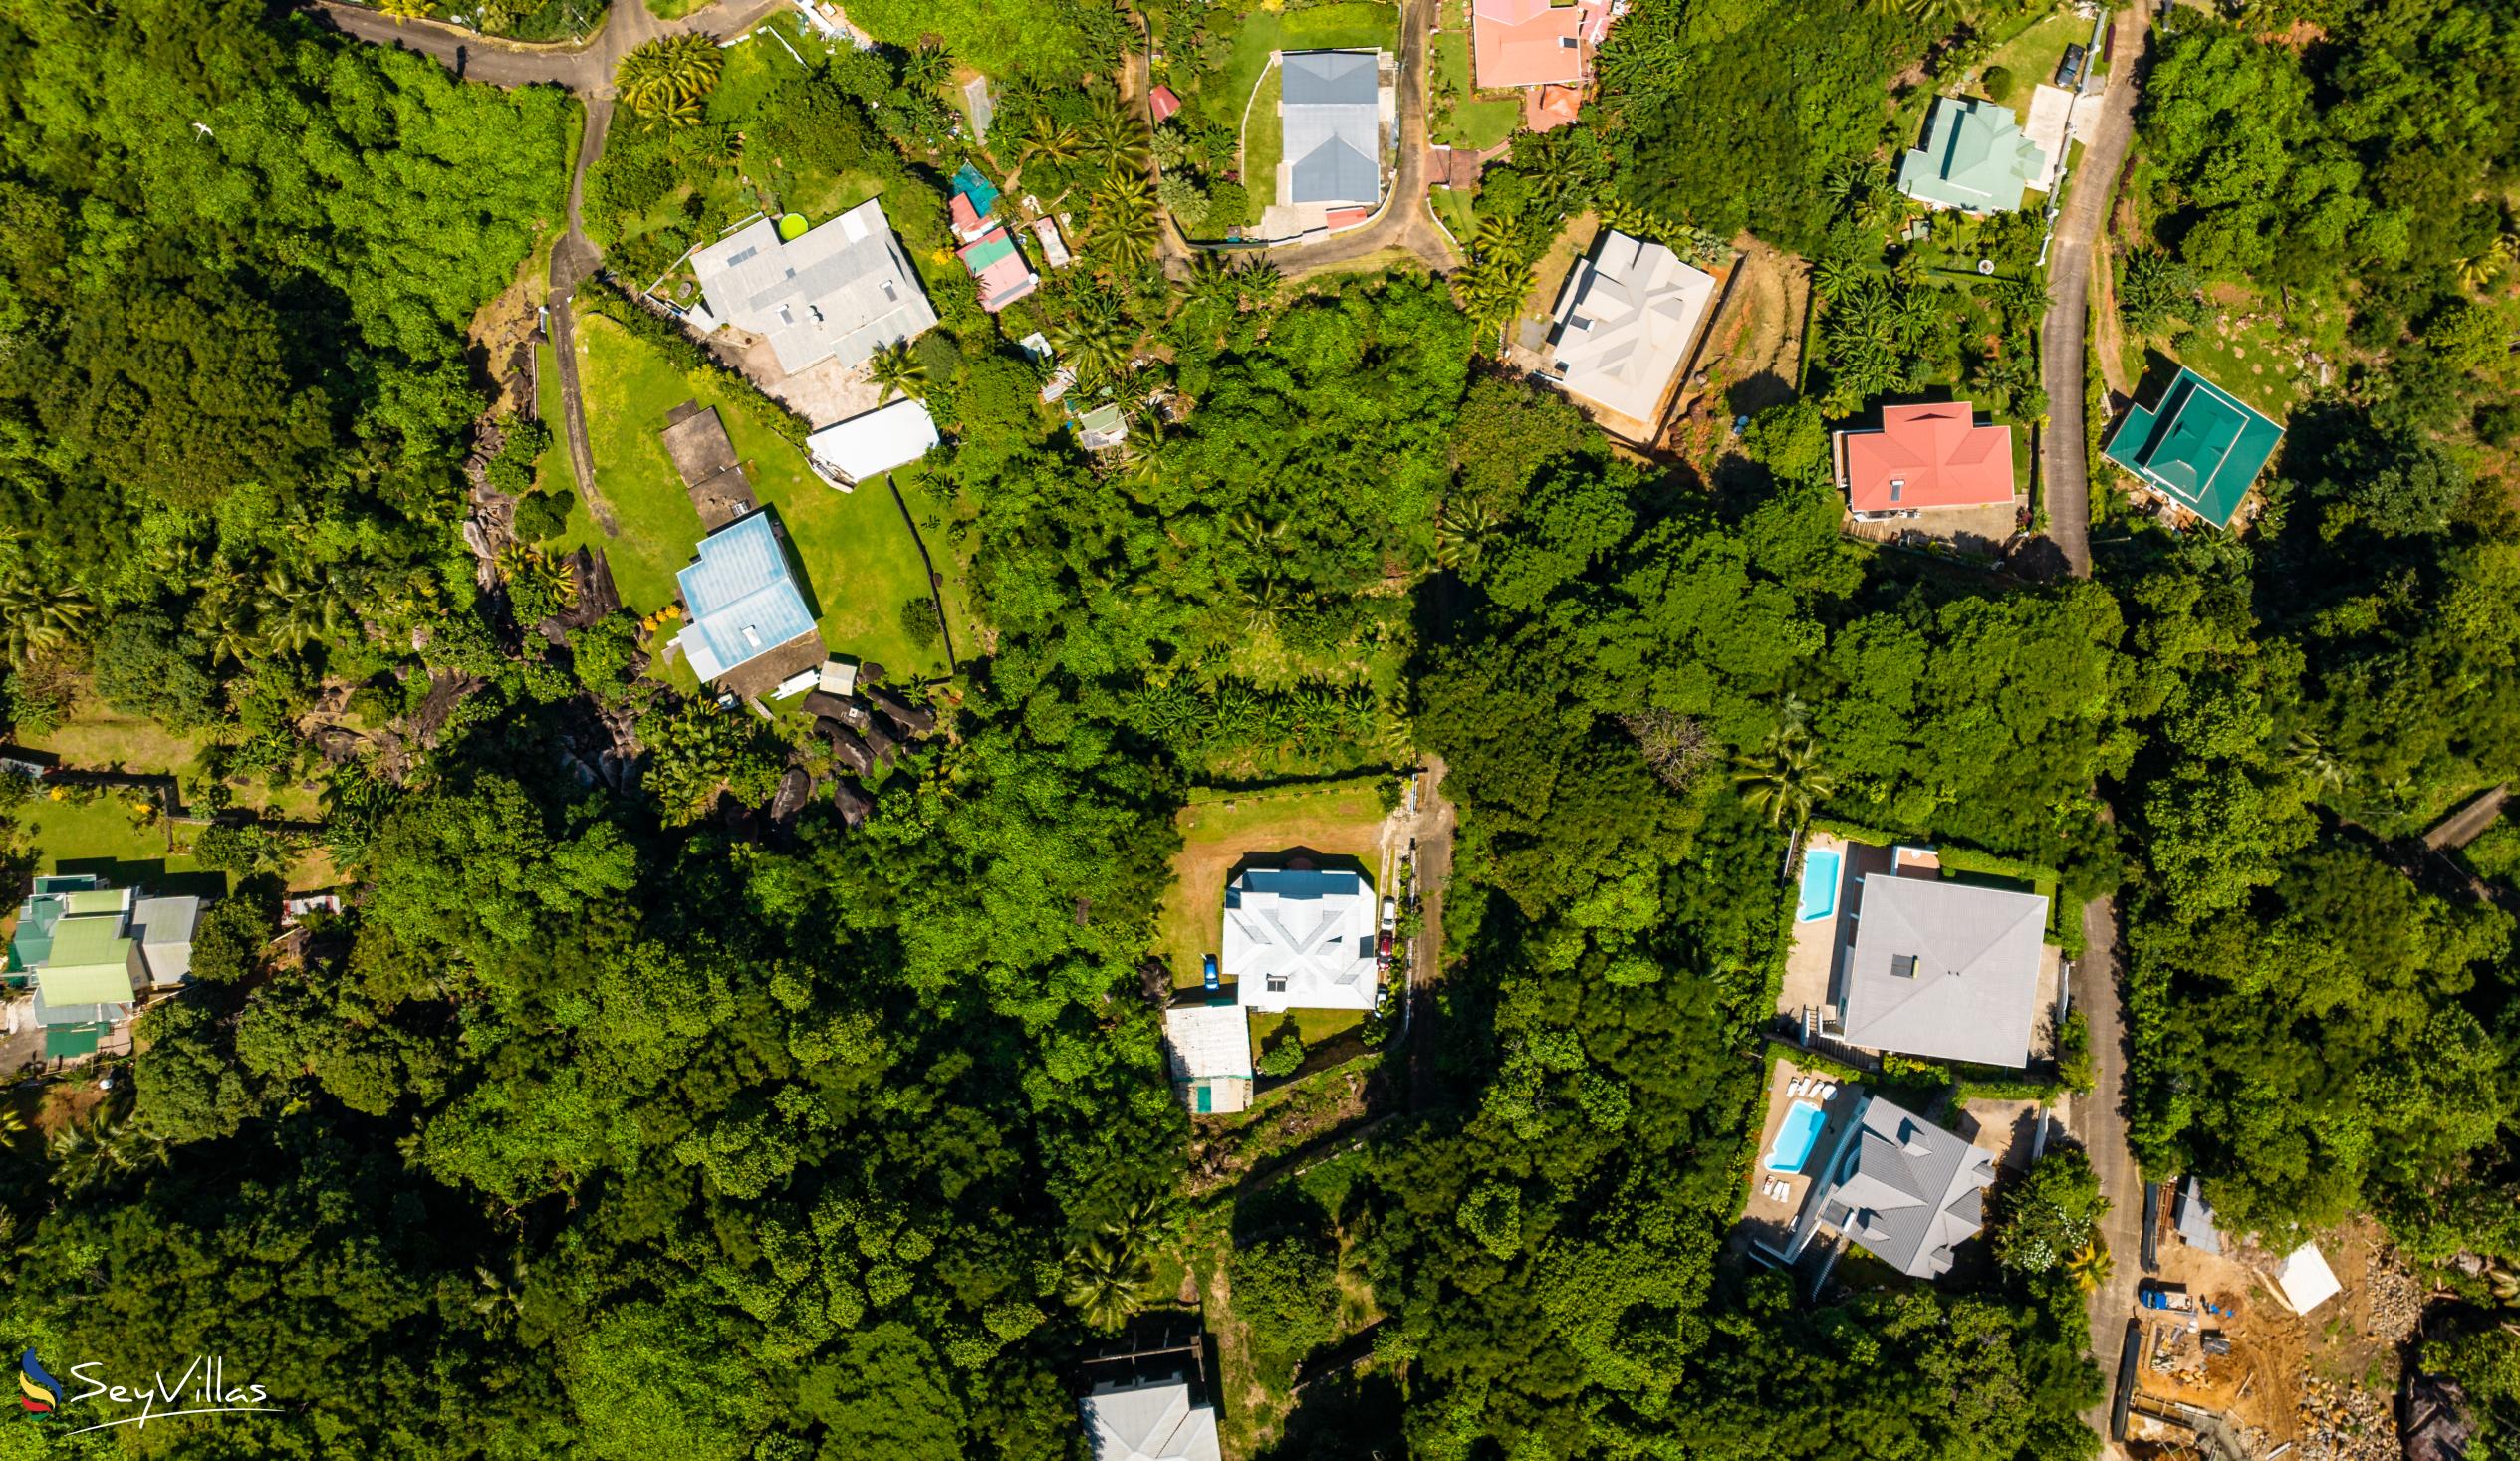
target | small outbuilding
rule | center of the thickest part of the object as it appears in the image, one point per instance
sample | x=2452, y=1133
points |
x=1209, y=1050
x=874, y=443
x=2304, y=1281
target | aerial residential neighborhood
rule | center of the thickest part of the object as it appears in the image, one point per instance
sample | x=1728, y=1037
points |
x=1219, y=730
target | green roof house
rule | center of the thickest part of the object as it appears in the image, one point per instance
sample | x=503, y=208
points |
x=90, y=963
x=2199, y=447
x=55, y=898
x=1973, y=157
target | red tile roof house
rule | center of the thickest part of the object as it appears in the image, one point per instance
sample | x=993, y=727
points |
x=1164, y=104
x=1526, y=42
x=1924, y=456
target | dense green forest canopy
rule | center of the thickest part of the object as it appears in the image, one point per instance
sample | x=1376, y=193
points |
x=599, y=1124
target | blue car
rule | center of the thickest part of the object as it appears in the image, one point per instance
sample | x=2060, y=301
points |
x=1207, y=971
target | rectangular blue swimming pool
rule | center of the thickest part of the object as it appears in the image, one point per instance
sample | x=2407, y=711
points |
x=1794, y=1139
x=1820, y=885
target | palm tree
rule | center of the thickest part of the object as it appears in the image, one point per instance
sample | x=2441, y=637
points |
x=37, y=618
x=1212, y=282
x=1461, y=531
x=2309, y=755
x=2091, y=1265
x=1260, y=282
x=1048, y=141
x=1094, y=341
x=898, y=373
x=665, y=80
x=1118, y=137
x=400, y=10
x=1784, y=781
x=1266, y=596
x=926, y=69
x=2482, y=268
x=1107, y=1283
x=1125, y=222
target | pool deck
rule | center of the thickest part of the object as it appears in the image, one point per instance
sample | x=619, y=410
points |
x=1768, y=1220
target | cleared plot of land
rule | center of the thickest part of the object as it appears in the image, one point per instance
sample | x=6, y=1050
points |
x=861, y=561
x=1343, y=819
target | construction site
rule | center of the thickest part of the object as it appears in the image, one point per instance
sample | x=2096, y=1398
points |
x=2242, y=1354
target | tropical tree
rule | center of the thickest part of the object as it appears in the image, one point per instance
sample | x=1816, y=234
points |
x=37, y=618
x=1048, y=141
x=1107, y=1283
x=665, y=80
x=1094, y=339
x=400, y=10
x=928, y=68
x=1461, y=529
x=2091, y=1265
x=1783, y=782
x=1260, y=282
x=897, y=372
x=1124, y=223
x=1117, y=136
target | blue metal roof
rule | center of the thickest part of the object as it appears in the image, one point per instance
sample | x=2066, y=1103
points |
x=743, y=598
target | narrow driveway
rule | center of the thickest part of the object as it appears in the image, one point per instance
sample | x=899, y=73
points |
x=2065, y=468
x=1403, y=222
x=1432, y=828
x=2100, y=1123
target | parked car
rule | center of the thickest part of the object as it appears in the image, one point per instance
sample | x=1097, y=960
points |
x=1207, y=971
x=2069, y=71
x=1383, y=947
x=1390, y=915
x=2153, y=1294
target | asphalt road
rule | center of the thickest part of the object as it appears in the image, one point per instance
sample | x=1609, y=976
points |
x=2100, y=1123
x=2065, y=469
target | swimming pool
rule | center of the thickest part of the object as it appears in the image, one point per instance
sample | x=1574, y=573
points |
x=1794, y=1139
x=1820, y=885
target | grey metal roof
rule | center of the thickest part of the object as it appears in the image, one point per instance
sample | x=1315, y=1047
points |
x=1332, y=122
x=165, y=927
x=1330, y=77
x=841, y=290
x=1944, y=969
x=742, y=595
x=2195, y=1217
x=1907, y=1189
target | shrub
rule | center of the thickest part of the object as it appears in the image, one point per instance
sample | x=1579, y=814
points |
x=1998, y=83
x=1284, y=1058
x=921, y=621
x=2498, y=424
x=1284, y=1289
x=2074, y=1053
x=1229, y=206
x=2047, y=1215
x=544, y=515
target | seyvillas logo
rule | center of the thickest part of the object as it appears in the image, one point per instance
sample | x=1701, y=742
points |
x=37, y=1391
x=202, y=1390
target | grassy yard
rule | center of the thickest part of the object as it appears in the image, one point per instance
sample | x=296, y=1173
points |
x=2252, y=361
x=2032, y=56
x=861, y=562
x=1456, y=212
x=1264, y=141
x=553, y=469
x=1478, y=126
x=1313, y=1026
x=1460, y=119
x=1351, y=26
x=1342, y=819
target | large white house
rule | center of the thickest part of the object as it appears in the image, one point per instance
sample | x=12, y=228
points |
x=1300, y=939
x=840, y=291
x=1624, y=323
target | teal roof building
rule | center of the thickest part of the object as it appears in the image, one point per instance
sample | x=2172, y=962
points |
x=1973, y=158
x=2199, y=447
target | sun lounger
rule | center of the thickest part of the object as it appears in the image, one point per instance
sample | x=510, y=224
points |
x=1829, y=1090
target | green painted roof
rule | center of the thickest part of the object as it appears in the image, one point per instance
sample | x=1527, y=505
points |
x=31, y=943
x=2200, y=447
x=69, y=1042
x=90, y=963
x=1973, y=156
x=94, y=901
x=987, y=251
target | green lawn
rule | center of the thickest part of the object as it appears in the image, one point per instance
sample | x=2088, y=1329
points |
x=1456, y=212
x=1263, y=142
x=861, y=562
x=1478, y=126
x=1338, y=818
x=2032, y=56
x=102, y=837
x=551, y=470
x=1355, y=24
x=1315, y=1028
x=2253, y=362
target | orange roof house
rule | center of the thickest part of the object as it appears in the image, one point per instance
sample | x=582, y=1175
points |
x=1551, y=106
x=1925, y=456
x=1163, y=103
x=1526, y=42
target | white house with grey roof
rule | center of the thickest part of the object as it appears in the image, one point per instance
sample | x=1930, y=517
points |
x=1906, y=1190
x=1300, y=939
x=1329, y=115
x=1942, y=969
x=1164, y=1420
x=840, y=291
x=1624, y=323
x=163, y=929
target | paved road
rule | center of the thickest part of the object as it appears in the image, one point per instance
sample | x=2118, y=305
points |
x=1405, y=222
x=2064, y=466
x=2100, y=1123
